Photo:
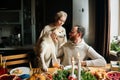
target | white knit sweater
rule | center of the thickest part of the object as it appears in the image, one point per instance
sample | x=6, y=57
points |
x=71, y=50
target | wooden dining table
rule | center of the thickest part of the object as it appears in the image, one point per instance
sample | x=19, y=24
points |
x=39, y=74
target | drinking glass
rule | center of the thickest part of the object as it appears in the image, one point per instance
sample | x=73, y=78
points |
x=3, y=68
x=56, y=63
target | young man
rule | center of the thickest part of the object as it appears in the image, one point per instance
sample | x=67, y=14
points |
x=76, y=45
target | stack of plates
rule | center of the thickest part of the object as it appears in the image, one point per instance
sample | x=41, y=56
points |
x=115, y=65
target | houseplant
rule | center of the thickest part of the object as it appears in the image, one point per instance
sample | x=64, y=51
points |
x=115, y=46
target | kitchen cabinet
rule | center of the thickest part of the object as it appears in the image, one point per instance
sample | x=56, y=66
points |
x=10, y=27
x=17, y=27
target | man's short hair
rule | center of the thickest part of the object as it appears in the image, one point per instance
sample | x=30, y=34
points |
x=81, y=29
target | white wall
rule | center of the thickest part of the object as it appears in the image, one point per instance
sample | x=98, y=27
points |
x=87, y=18
x=114, y=4
x=84, y=17
x=81, y=17
x=119, y=19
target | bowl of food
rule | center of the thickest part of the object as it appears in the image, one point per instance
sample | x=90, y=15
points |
x=20, y=71
x=113, y=75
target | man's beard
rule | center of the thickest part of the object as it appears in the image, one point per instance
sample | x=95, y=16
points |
x=72, y=39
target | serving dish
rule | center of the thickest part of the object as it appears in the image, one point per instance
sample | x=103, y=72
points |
x=20, y=71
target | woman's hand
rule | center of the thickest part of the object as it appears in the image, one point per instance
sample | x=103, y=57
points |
x=54, y=37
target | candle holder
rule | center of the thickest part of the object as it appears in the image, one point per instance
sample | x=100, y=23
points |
x=72, y=77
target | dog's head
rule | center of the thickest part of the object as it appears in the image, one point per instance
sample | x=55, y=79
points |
x=59, y=33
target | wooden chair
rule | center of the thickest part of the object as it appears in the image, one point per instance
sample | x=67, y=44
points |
x=17, y=60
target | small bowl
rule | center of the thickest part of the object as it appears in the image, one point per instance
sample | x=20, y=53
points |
x=113, y=75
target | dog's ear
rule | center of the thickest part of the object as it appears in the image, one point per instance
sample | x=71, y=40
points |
x=53, y=29
x=47, y=34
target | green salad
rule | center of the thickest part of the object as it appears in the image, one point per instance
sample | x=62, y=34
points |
x=64, y=74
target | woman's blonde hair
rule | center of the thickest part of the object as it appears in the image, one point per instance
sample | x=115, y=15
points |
x=60, y=14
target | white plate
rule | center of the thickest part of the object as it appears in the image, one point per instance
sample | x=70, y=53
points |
x=70, y=66
x=25, y=70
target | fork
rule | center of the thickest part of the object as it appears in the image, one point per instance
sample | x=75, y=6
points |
x=37, y=71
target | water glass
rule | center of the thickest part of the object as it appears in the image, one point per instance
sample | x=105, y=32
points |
x=56, y=63
x=3, y=68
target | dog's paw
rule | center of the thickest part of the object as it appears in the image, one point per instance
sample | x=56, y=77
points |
x=45, y=68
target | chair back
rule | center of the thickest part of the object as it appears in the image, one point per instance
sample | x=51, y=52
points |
x=17, y=60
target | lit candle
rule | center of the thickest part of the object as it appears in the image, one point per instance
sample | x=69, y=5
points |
x=73, y=62
x=79, y=67
x=72, y=75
